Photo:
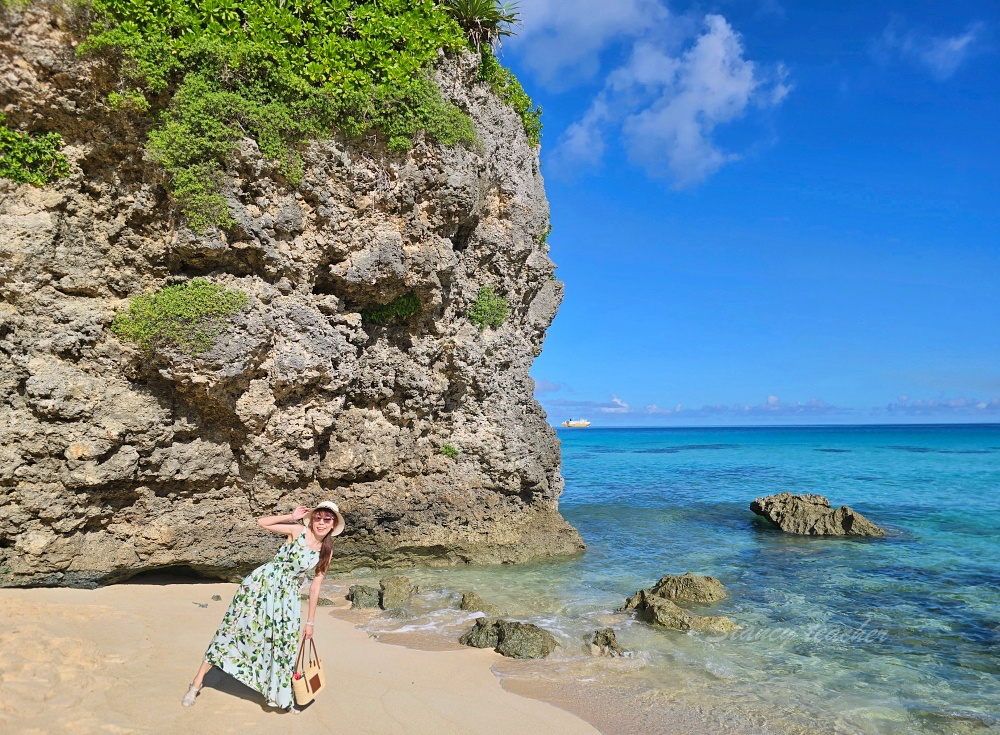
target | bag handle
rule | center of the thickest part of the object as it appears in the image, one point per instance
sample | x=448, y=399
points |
x=312, y=657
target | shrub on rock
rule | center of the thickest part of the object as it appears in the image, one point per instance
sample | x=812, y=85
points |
x=186, y=316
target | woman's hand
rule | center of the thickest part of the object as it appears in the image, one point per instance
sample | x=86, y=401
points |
x=307, y=633
x=299, y=513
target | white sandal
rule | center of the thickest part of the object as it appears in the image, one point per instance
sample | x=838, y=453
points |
x=192, y=694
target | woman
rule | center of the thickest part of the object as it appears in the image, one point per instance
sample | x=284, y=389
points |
x=258, y=639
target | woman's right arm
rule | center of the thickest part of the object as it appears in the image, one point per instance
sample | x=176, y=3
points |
x=286, y=525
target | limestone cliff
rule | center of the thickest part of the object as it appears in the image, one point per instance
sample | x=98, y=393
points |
x=114, y=462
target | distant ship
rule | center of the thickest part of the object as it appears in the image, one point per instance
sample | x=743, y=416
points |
x=576, y=423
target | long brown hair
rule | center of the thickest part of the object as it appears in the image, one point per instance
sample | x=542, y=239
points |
x=325, y=553
x=326, y=549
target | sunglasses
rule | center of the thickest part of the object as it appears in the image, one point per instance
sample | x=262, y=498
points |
x=325, y=519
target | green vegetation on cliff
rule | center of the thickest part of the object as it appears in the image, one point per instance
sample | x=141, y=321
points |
x=278, y=71
x=506, y=86
x=489, y=309
x=185, y=316
x=31, y=159
x=405, y=306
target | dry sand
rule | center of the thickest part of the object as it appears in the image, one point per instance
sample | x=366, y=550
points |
x=119, y=659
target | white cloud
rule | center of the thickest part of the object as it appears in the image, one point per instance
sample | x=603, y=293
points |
x=667, y=105
x=943, y=406
x=940, y=55
x=617, y=406
x=561, y=42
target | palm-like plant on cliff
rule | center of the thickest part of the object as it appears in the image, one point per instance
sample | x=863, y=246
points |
x=485, y=22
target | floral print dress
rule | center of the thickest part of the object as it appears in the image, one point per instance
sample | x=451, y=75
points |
x=258, y=639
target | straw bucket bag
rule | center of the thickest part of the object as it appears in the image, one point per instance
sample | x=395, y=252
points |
x=308, y=677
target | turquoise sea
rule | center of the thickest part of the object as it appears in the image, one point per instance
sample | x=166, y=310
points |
x=894, y=635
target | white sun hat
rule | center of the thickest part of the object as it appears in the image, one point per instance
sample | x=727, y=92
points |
x=338, y=527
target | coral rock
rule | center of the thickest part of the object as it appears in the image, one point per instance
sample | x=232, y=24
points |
x=811, y=515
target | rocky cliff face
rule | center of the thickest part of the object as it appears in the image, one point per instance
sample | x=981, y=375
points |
x=113, y=462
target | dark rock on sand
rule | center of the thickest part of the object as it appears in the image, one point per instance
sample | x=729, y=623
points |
x=484, y=634
x=605, y=643
x=362, y=596
x=811, y=515
x=510, y=638
x=661, y=611
x=474, y=603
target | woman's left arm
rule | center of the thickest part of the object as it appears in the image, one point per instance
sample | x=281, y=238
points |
x=307, y=632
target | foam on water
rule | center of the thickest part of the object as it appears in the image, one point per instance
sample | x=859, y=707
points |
x=880, y=637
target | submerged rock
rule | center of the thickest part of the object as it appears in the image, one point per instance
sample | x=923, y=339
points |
x=510, y=638
x=474, y=603
x=811, y=515
x=604, y=642
x=362, y=596
x=395, y=592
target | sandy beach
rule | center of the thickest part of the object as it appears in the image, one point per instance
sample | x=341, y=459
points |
x=118, y=659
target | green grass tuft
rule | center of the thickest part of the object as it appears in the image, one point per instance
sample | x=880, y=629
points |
x=31, y=159
x=402, y=308
x=489, y=309
x=186, y=316
x=449, y=451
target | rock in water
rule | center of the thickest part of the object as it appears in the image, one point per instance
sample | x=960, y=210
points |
x=510, y=638
x=147, y=461
x=690, y=588
x=661, y=611
x=474, y=603
x=811, y=515
x=395, y=592
x=604, y=642
x=656, y=603
x=686, y=587
x=362, y=596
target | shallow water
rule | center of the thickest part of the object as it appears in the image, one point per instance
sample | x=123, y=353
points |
x=882, y=636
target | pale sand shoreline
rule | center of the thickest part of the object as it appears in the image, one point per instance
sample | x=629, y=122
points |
x=118, y=659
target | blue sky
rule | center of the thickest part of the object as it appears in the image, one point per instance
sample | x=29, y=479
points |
x=768, y=212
